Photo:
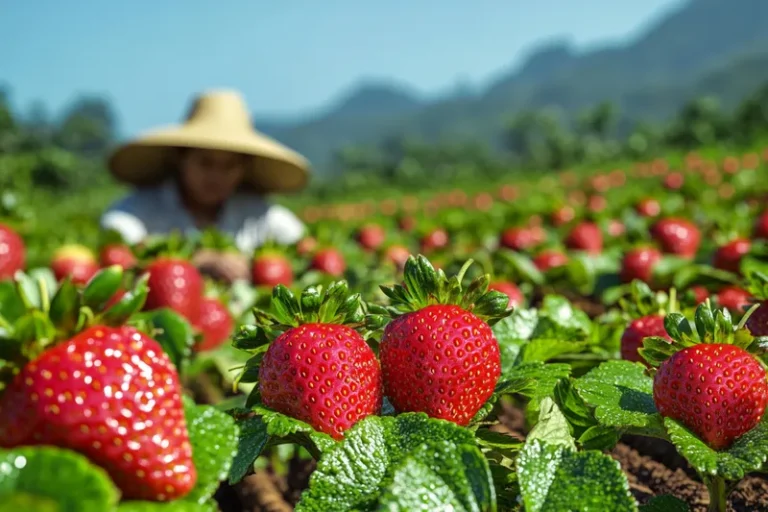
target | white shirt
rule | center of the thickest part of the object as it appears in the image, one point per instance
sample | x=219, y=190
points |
x=159, y=210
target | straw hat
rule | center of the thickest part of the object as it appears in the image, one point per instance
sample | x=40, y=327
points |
x=217, y=120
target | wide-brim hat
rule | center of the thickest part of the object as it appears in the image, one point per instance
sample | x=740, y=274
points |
x=217, y=120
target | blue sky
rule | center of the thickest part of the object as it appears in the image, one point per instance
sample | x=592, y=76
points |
x=288, y=57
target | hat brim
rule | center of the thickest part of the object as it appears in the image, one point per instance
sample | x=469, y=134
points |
x=149, y=160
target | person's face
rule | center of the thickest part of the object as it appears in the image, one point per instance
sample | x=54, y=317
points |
x=210, y=177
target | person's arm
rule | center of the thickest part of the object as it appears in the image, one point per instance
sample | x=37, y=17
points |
x=283, y=226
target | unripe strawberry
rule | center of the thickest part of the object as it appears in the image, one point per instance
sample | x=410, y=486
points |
x=76, y=262
x=718, y=391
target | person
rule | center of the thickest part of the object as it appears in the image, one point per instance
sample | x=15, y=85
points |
x=212, y=171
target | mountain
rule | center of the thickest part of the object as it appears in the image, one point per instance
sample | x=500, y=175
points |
x=712, y=47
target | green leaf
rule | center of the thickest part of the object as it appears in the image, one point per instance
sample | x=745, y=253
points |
x=748, y=453
x=11, y=305
x=45, y=478
x=102, y=287
x=261, y=427
x=554, y=479
x=600, y=438
x=438, y=475
x=665, y=503
x=128, y=305
x=353, y=474
x=558, y=319
x=535, y=380
x=622, y=395
x=170, y=506
x=552, y=427
x=65, y=306
x=513, y=333
x=545, y=349
x=213, y=435
x=523, y=266
x=172, y=331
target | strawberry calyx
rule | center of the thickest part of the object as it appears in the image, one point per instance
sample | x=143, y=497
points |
x=216, y=240
x=710, y=326
x=174, y=245
x=424, y=286
x=52, y=316
x=641, y=301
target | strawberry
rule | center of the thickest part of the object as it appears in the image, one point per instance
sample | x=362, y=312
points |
x=397, y=255
x=616, y=228
x=437, y=355
x=677, y=236
x=549, y=259
x=270, y=269
x=306, y=246
x=718, y=391
x=521, y=238
x=648, y=207
x=176, y=284
x=318, y=368
x=434, y=240
x=371, y=237
x=12, y=252
x=639, y=329
x=563, y=215
x=406, y=223
x=760, y=229
x=585, y=237
x=74, y=261
x=117, y=254
x=510, y=290
x=112, y=394
x=329, y=261
x=728, y=257
x=700, y=294
x=638, y=263
x=757, y=323
x=215, y=323
x=733, y=298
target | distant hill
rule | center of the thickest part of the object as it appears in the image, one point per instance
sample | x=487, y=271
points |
x=715, y=47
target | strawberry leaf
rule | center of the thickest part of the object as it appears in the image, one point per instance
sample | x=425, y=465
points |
x=213, y=435
x=381, y=460
x=11, y=306
x=665, y=503
x=558, y=319
x=704, y=275
x=552, y=427
x=747, y=454
x=102, y=287
x=262, y=427
x=171, y=331
x=622, y=397
x=554, y=477
x=45, y=478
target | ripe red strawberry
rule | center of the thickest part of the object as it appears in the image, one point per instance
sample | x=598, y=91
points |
x=440, y=359
x=117, y=254
x=728, y=257
x=215, y=323
x=677, y=236
x=549, y=259
x=616, y=228
x=639, y=329
x=648, y=207
x=75, y=261
x=323, y=374
x=733, y=298
x=761, y=226
x=521, y=238
x=700, y=293
x=434, y=240
x=329, y=261
x=371, y=237
x=674, y=181
x=638, y=263
x=510, y=290
x=113, y=395
x=176, y=284
x=271, y=269
x=12, y=252
x=718, y=391
x=585, y=237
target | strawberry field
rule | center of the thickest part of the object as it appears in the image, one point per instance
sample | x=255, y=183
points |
x=578, y=341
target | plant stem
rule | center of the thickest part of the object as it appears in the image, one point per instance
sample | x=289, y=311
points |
x=718, y=494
